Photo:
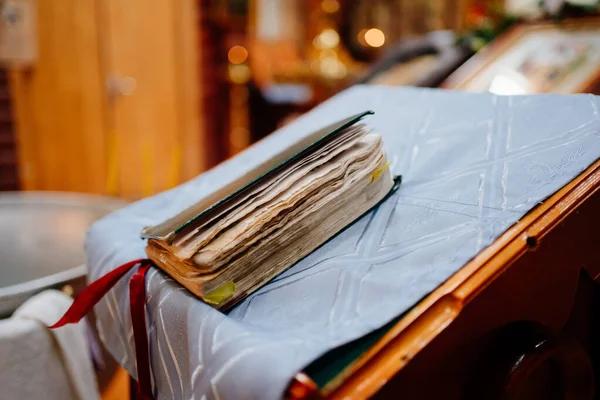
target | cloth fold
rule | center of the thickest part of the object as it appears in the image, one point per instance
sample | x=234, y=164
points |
x=472, y=165
x=36, y=362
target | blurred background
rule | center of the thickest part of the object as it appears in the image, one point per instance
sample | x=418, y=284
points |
x=129, y=98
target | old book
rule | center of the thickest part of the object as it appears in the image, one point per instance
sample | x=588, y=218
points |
x=238, y=238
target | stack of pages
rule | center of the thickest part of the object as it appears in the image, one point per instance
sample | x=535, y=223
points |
x=231, y=243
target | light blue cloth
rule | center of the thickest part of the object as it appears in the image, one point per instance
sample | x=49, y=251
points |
x=473, y=164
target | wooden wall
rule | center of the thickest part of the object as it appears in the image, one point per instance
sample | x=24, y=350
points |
x=9, y=178
x=60, y=103
x=112, y=105
x=212, y=50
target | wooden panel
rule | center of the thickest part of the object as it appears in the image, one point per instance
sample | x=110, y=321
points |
x=119, y=386
x=74, y=134
x=194, y=135
x=157, y=125
x=215, y=90
x=8, y=152
x=59, y=103
x=144, y=124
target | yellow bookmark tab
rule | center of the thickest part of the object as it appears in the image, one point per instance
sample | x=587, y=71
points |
x=377, y=173
x=221, y=293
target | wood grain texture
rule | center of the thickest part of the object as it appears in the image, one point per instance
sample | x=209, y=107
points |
x=158, y=127
x=59, y=103
x=194, y=135
x=141, y=46
x=77, y=133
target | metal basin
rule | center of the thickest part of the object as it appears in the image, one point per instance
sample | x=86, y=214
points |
x=41, y=241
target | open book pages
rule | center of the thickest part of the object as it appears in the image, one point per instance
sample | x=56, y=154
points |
x=235, y=246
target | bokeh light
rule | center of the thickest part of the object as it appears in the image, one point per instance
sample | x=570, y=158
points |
x=374, y=37
x=327, y=39
x=239, y=73
x=330, y=6
x=361, y=37
x=237, y=55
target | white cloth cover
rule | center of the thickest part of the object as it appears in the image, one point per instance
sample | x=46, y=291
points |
x=472, y=165
x=39, y=363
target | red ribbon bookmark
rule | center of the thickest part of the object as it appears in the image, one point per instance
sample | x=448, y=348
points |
x=92, y=293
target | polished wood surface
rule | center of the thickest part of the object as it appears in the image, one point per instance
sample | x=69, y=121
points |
x=146, y=123
x=112, y=104
x=195, y=143
x=119, y=386
x=535, y=283
x=59, y=103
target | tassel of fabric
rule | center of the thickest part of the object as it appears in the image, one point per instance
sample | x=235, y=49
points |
x=92, y=293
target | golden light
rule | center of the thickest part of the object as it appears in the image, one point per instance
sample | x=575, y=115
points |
x=333, y=68
x=330, y=6
x=237, y=54
x=327, y=39
x=374, y=37
x=327, y=54
x=330, y=66
x=361, y=37
x=315, y=66
x=239, y=73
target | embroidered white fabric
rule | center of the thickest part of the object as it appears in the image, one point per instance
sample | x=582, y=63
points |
x=472, y=165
